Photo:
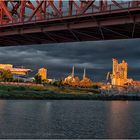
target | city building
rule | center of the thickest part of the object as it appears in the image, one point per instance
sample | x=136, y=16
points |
x=85, y=82
x=14, y=71
x=43, y=73
x=19, y=71
x=6, y=66
x=119, y=76
x=71, y=79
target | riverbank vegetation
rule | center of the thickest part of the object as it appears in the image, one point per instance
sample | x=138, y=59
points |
x=50, y=92
x=44, y=92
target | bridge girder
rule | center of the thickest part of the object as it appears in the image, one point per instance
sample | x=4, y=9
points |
x=26, y=22
x=14, y=11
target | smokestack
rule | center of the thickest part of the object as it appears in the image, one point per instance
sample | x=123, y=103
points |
x=84, y=74
x=72, y=74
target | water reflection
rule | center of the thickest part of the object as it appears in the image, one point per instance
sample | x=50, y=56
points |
x=69, y=119
x=2, y=103
x=2, y=106
x=117, y=119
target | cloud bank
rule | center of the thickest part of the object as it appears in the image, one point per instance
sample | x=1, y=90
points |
x=59, y=58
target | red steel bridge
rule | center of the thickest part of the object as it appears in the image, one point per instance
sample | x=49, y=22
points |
x=25, y=22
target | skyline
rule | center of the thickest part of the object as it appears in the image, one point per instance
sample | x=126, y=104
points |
x=94, y=56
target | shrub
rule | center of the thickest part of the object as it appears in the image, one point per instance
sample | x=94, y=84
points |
x=38, y=79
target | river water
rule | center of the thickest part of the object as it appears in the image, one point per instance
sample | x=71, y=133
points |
x=69, y=119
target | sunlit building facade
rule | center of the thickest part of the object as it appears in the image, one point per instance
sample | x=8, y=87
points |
x=6, y=66
x=72, y=80
x=85, y=82
x=14, y=71
x=119, y=73
x=43, y=73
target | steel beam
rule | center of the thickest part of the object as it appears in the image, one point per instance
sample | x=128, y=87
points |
x=40, y=9
x=83, y=20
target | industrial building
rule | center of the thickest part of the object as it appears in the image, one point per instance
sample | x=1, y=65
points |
x=85, y=82
x=73, y=80
x=119, y=76
x=15, y=71
x=43, y=73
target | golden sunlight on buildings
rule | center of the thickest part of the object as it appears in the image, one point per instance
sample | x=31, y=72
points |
x=75, y=81
x=43, y=73
x=14, y=71
x=71, y=79
x=6, y=66
x=119, y=73
x=85, y=82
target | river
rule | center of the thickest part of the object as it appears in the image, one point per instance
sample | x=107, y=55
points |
x=69, y=119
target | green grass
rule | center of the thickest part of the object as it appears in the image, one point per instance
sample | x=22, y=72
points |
x=42, y=92
x=58, y=93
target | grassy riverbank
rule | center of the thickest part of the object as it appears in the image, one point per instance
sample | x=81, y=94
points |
x=44, y=92
x=56, y=93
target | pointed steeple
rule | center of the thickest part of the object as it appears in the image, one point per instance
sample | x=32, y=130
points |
x=72, y=74
x=84, y=74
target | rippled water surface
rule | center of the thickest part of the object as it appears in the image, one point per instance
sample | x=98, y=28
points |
x=69, y=119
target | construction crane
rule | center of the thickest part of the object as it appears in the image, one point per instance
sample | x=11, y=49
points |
x=107, y=76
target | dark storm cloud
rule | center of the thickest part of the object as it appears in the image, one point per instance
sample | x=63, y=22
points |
x=59, y=58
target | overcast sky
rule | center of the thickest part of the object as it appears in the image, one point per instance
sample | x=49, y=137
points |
x=59, y=58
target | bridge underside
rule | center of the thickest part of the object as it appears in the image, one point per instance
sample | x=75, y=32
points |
x=90, y=27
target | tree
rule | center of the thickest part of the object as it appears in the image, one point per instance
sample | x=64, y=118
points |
x=38, y=79
x=58, y=83
x=6, y=75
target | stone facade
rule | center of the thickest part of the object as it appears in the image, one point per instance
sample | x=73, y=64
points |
x=119, y=73
x=43, y=73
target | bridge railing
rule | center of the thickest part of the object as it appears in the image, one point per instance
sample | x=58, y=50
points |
x=110, y=8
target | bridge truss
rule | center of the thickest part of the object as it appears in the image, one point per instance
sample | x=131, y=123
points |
x=24, y=22
x=13, y=11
